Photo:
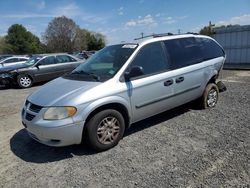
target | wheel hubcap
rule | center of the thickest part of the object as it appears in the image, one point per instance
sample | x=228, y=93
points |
x=108, y=130
x=212, y=98
x=25, y=81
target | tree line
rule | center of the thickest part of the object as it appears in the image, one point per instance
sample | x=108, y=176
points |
x=61, y=35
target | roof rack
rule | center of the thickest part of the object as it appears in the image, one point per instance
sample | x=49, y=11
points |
x=155, y=35
x=164, y=34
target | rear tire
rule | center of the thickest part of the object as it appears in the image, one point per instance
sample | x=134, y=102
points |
x=105, y=129
x=210, y=96
x=24, y=81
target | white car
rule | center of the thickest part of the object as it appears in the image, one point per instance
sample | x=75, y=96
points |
x=13, y=61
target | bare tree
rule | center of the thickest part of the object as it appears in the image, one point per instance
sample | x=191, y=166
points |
x=61, y=35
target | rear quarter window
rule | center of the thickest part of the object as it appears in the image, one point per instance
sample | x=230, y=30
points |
x=209, y=48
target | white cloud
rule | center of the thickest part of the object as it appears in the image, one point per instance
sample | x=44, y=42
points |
x=241, y=20
x=70, y=10
x=120, y=11
x=41, y=5
x=30, y=15
x=169, y=20
x=131, y=23
x=148, y=20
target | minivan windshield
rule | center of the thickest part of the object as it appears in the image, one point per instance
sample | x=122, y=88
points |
x=33, y=60
x=104, y=64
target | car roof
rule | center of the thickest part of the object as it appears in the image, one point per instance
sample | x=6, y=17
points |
x=161, y=37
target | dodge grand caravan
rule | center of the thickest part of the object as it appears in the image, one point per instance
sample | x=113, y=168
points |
x=122, y=84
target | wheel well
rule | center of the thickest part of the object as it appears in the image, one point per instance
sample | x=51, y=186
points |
x=213, y=79
x=115, y=106
x=24, y=74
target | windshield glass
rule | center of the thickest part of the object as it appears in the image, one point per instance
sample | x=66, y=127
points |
x=104, y=64
x=33, y=60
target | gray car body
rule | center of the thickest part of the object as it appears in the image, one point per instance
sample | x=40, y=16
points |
x=141, y=98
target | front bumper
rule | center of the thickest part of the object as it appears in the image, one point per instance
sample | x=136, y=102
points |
x=56, y=136
x=53, y=133
x=6, y=81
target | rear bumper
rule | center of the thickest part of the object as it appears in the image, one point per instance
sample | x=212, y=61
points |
x=221, y=86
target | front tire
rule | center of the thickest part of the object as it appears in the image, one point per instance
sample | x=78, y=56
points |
x=210, y=96
x=105, y=129
x=24, y=81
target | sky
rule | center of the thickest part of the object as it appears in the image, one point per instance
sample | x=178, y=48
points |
x=124, y=20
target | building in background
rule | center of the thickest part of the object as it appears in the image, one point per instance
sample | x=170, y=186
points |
x=236, y=42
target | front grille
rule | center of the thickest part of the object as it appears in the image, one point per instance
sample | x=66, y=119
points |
x=26, y=102
x=29, y=116
x=35, y=108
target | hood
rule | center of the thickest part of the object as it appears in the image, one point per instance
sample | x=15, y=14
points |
x=4, y=69
x=60, y=92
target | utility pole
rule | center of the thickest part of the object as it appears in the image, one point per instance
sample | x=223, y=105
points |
x=142, y=34
x=210, y=26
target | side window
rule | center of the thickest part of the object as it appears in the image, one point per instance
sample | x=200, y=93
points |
x=22, y=59
x=64, y=59
x=151, y=58
x=209, y=48
x=12, y=60
x=48, y=60
x=183, y=52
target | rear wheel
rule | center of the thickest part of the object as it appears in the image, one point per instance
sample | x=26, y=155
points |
x=105, y=129
x=24, y=81
x=210, y=96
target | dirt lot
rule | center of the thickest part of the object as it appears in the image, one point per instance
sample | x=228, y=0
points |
x=184, y=147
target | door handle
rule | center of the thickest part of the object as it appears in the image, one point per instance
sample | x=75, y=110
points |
x=180, y=79
x=168, y=82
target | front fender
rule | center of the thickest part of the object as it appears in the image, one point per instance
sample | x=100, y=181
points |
x=92, y=106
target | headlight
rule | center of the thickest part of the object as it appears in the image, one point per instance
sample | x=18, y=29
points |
x=5, y=75
x=56, y=113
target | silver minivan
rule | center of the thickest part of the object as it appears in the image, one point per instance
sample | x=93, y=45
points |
x=122, y=84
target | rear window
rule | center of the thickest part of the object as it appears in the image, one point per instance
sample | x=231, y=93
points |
x=209, y=48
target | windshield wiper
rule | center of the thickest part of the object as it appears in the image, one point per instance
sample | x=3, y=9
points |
x=97, y=78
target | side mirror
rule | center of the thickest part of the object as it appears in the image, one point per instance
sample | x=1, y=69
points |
x=134, y=72
x=37, y=65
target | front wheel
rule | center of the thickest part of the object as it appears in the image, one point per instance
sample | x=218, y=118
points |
x=24, y=81
x=210, y=96
x=105, y=129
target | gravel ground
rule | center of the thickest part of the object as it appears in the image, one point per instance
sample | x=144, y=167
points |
x=184, y=147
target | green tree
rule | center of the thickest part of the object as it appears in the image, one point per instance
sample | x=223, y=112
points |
x=96, y=41
x=207, y=30
x=4, y=47
x=22, y=41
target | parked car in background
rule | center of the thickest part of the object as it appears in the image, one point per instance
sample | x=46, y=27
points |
x=122, y=84
x=85, y=54
x=38, y=68
x=5, y=56
x=12, y=61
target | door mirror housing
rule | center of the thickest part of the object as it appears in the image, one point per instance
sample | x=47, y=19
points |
x=37, y=65
x=134, y=72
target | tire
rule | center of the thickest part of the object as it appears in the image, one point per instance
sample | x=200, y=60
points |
x=105, y=129
x=210, y=96
x=24, y=81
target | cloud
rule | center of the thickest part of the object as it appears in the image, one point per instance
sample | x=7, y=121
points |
x=71, y=10
x=240, y=20
x=148, y=20
x=169, y=20
x=41, y=5
x=30, y=15
x=120, y=11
